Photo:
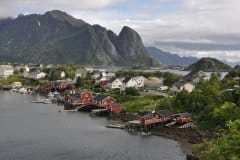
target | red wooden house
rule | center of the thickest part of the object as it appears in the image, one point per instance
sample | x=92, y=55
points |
x=103, y=100
x=85, y=96
x=165, y=115
x=148, y=119
x=182, y=117
x=103, y=84
x=62, y=86
x=114, y=107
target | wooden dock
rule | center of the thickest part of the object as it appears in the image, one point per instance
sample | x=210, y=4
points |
x=99, y=112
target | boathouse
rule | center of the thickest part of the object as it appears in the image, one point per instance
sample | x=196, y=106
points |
x=165, y=115
x=114, y=107
x=85, y=96
x=103, y=100
x=182, y=117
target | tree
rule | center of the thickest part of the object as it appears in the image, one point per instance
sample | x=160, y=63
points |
x=79, y=82
x=228, y=111
x=170, y=78
x=225, y=148
x=131, y=91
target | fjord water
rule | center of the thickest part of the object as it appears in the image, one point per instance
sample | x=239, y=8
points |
x=39, y=132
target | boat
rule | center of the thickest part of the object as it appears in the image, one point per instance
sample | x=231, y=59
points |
x=117, y=126
x=50, y=94
x=44, y=101
x=23, y=90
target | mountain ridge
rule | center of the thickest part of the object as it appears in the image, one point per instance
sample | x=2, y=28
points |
x=56, y=37
x=168, y=58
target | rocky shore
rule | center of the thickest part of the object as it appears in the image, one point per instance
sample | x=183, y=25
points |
x=186, y=137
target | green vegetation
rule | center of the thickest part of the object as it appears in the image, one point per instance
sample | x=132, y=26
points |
x=212, y=106
x=14, y=78
x=208, y=64
x=225, y=148
x=142, y=105
x=133, y=73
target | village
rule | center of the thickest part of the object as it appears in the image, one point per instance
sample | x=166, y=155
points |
x=66, y=92
x=142, y=102
x=76, y=93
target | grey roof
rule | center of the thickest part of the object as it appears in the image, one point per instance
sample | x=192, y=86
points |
x=183, y=114
x=148, y=116
x=111, y=80
x=127, y=79
x=100, y=97
x=165, y=113
x=178, y=84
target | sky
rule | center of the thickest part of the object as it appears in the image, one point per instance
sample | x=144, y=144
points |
x=187, y=27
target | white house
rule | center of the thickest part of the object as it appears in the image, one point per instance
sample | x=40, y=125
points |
x=129, y=82
x=140, y=81
x=182, y=85
x=23, y=67
x=6, y=70
x=115, y=83
x=35, y=75
x=108, y=75
x=95, y=76
x=62, y=75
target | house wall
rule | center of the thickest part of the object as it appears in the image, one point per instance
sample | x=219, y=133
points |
x=6, y=71
x=86, y=97
x=140, y=81
x=114, y=108
x=105, y=102
x=131, y=83
x=189, y=87
x=116, y=84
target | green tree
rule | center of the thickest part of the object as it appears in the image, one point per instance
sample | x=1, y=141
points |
x=170, y=78
x=132, y=91
x=225, y=148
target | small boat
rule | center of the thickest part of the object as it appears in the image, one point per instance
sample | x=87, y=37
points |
x=117, y=126
x=23, y=90
x=50, y=94
x=45, y=101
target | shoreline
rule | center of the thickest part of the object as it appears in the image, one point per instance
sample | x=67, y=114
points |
x=186, y=138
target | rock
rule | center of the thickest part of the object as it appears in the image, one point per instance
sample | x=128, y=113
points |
x=191, y=157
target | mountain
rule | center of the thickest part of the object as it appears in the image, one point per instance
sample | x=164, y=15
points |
x=167, y=58
x=208, y=64
x=56, y=37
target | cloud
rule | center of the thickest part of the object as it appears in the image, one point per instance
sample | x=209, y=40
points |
x=70, y=4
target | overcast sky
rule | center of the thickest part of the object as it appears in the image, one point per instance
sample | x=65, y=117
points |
x=167, y=24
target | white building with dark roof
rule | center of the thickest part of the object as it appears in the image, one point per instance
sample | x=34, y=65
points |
x=6, y=70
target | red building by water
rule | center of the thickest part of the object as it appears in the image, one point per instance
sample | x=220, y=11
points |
x=103, y=100
x=114, y=107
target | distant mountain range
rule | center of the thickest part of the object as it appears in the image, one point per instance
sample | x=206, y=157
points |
x=56, y=37
x=208, y=64
x=167, y=58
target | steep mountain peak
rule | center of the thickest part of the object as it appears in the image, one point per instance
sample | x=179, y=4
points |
x=208, y=64
x=128, y=32
x=64, y=17
x=56, y=13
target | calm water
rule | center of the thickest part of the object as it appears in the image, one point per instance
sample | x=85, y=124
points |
x=40, y=132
